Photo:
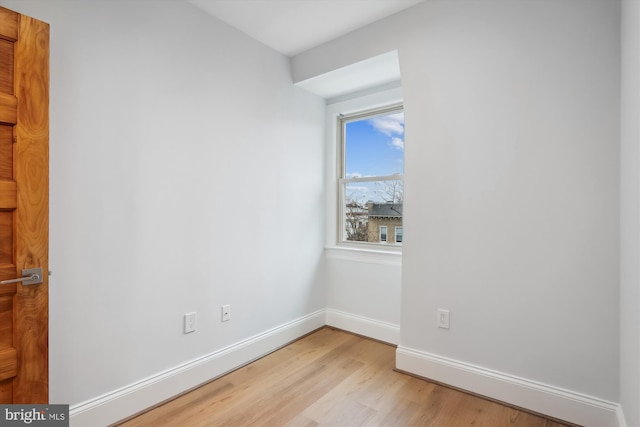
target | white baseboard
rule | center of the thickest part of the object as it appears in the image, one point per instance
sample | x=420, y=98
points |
x=622, y=421
x=542, y=398
x=123, y=403
x=365, y=326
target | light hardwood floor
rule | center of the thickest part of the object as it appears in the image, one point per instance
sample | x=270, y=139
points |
x=330, y=378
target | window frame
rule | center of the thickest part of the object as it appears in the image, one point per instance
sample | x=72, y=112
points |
x=395, y=233
x=341, y=122
x=386, y=233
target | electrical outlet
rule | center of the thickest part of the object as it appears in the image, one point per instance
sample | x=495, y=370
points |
x=443, y=318
x=190, y=322
x=226, y=313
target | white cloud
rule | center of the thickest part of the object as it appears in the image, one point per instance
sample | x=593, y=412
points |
x=397, y=143
x=358, y=189
x=390, y=125
x=354, y=175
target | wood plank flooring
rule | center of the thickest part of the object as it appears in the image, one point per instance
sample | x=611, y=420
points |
x=330, y=378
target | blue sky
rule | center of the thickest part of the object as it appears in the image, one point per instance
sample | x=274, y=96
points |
x=375, y=146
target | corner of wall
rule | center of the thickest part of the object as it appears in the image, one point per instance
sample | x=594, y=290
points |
x=364, y=326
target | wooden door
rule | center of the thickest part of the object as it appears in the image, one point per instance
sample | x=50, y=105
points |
x=24, y=207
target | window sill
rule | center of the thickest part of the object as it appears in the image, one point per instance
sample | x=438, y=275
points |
x=370, y=255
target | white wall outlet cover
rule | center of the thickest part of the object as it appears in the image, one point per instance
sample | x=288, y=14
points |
x=190, y=320
x=443, y=318
x=226, y=313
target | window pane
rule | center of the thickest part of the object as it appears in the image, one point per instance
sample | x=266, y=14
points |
x=368, y=212
x=383, y=233
x=398, y=234
x=356, y=218
x=375, y=146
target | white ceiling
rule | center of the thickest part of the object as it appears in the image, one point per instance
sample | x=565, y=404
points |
x=293, y=26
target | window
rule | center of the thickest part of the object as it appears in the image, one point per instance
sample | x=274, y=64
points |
x=398, y=234
x=371, y=169
x=383, y=233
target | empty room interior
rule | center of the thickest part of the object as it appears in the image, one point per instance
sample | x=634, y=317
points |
x=197, y=166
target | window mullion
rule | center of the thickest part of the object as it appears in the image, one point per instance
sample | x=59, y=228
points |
x=395, y=177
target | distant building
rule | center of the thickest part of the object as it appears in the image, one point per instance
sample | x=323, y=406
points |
x=385, y=222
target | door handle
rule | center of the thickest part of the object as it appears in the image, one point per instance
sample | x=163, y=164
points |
x=30, y=276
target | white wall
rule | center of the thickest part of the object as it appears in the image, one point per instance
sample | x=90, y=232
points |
x=363, y=293
x=630, y=214
x=512, y=200
x=512, y=160
x=186, y=173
